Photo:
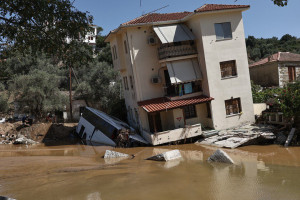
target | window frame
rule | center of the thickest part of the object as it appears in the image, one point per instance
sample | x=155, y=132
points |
x=230, y=102
x=190, y=111
x=223, y=28
x=125, y=47
x=131, y=81
x=233, y=69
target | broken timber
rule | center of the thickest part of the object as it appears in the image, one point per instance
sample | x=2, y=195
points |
x=290, y=137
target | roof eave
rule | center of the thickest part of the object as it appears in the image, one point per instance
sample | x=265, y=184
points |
x=224, y=10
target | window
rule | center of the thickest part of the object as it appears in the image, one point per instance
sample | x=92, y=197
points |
x=125, y=46
x=233, y=106
x=136, y=115
x=228, y=68
x=131, y=82
x=114, y=52
x=189, y=111
x=125, y=83
x=223, y=31
x=292, y=74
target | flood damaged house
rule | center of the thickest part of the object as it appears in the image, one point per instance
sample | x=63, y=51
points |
x=184, y=72
x=276, y=70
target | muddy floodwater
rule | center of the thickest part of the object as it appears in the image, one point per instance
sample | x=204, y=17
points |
x=74, y=172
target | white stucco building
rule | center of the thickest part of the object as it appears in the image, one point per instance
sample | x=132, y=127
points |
x=184, y=72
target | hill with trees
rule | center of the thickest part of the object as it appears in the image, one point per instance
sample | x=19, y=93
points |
x=258, y=48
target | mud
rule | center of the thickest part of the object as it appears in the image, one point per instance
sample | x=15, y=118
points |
x=80, y=172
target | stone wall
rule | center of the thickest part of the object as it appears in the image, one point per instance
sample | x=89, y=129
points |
x=284, y=73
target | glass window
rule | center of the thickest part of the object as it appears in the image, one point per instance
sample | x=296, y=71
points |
x=228, y=68
x=223, y=31
x=233, y=106
x=189, y=111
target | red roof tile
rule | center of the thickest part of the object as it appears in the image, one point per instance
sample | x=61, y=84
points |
x=157, y=17
x=214, y=7
x=163, y=103
x=280, y=56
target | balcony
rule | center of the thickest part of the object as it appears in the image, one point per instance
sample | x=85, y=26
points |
x=167, y=51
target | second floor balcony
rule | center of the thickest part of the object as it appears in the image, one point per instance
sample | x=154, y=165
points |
x=169, y=51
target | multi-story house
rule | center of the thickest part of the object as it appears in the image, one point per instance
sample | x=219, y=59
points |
x=184, y=72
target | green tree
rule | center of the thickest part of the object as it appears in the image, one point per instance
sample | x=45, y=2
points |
x=41, y=25
x=289, y=99
x=280, y=2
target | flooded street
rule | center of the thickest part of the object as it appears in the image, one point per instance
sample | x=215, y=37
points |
x=74, y=172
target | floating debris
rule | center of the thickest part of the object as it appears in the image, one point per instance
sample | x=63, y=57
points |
x=220, y=156
x=114, y=154
x=166, y=156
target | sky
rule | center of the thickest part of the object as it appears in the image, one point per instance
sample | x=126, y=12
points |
x=264, y=19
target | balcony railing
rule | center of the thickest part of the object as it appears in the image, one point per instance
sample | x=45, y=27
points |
x=175, y=51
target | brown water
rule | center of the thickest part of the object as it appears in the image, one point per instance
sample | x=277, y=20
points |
x=78, y=172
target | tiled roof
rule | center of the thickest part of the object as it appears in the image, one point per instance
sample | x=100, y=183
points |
x=215, y=7
x=280, y=56
x=157, y=17
x=160, y=17
x=163, y=103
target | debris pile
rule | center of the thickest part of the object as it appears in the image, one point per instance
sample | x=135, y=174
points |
x=244, y=135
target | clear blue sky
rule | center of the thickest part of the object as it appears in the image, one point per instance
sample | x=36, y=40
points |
x=264, y=19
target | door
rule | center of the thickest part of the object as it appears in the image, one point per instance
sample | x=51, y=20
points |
x=154, y=122
x=292, y=74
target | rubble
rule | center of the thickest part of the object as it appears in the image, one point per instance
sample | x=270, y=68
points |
x=166, y=156
x=24, y=140
x=220, y=156
x=114, y=154
x=241, y=136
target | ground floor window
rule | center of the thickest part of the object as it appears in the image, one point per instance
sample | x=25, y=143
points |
x=189, y=111
x=233, y=106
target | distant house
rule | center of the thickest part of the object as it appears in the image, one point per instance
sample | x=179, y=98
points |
x=184, y=71
x=276, y=70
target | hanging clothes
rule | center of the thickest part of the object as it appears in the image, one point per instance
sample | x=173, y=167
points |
x=188, y=88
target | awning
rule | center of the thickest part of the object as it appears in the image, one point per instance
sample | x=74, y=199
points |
x=163, y=103
x=173, y=33
x=182, y=71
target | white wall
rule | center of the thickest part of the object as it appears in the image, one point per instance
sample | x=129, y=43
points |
x=215, y=52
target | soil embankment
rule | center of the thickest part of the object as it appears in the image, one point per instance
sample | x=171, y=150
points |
x=15, y=133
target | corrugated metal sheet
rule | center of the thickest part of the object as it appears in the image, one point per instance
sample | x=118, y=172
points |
x=182, y=71
x=173, y=33
x=163, y=103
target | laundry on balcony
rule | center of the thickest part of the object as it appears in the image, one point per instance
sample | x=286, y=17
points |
x=184, y=71
x=173, y=33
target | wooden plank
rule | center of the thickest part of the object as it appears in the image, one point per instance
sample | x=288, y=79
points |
x=290, y=137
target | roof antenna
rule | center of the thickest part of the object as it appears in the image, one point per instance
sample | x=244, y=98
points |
x=156, y=10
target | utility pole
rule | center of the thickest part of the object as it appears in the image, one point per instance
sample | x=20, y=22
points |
x=70, y=92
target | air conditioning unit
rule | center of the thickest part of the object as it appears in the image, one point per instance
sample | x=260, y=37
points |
x=155, y=80
x=152, y=40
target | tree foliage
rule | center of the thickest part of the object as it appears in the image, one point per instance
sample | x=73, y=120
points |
x=41, y=25
x=289, y=99
x=259, y=48
x=280, y=2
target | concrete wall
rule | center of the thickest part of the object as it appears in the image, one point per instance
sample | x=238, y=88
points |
x=265, y=75
x=259, y=107
x=215, y=52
